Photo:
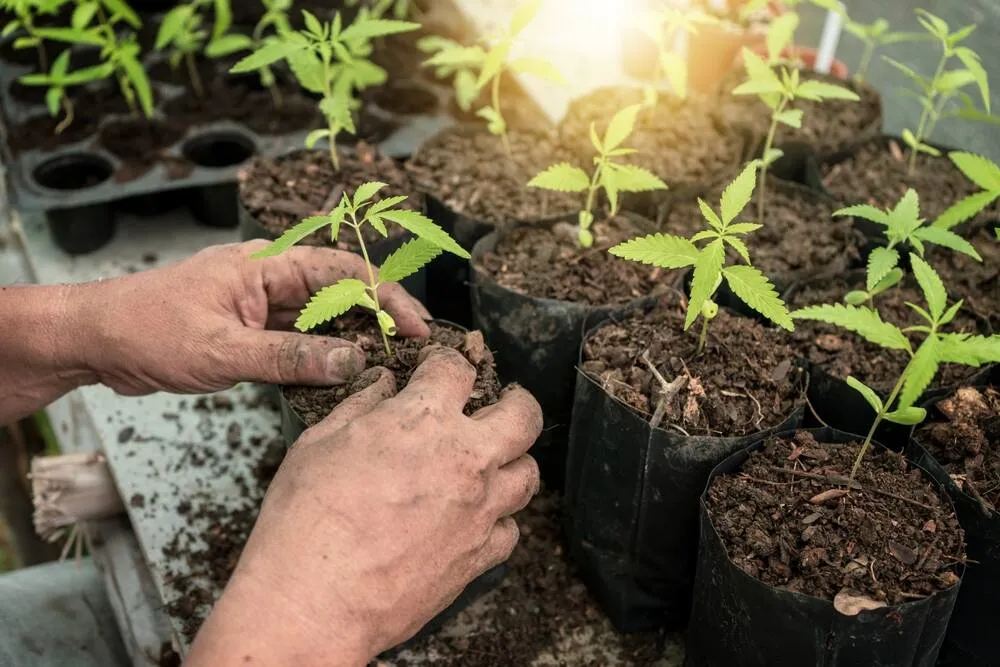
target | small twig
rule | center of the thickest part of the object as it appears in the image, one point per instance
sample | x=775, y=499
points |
x=927, y=552
x=669, y=390
x=851, y=483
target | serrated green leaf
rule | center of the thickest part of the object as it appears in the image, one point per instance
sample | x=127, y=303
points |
x=930, y=284
x=707, y=271
x=366, y=191
x=971, y=61
x=374, y=28
x=630, y=178
x=969, y=350
x=330, y=302
x=889, y=281
x=954, y=80
x=959, y=35
x=880, y=263
x=90, y=36
x=461, y=56
x=620, y=127
x=423, y=227
x=951, y=313
x=120, y=8
x=523, y=15
x=933, y=24
x=710, y=216
x=376, y=222
x=493, y=64
x=385, y=204
x=867, y=392
x=739, y=246
x=772, y=156
x=738, y=194
x=947, y=239
x=298, y=232
x=228, y=44
x=562, y=177
x=758, y=87
x=743, y=228
x=312, y=23
x=539, y=67
x=791, y=118
x=466, y=92
x=223, y=18
x=495, y=123
x=966, y=209
x=268, y=54
x=910, y=416
x=978, y=169
x=919, y=372
x=780, y=34
x=756, y=291
x=665, y=251
x=143, y=90
x=864, y=211
x=820, y=90
x=407, y=260
x=863, y=321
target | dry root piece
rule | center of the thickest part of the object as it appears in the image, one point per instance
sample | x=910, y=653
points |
x=71, y=489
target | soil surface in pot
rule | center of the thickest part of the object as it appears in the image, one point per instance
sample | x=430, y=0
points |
x=788, y=520
x=977, y=283
x=405, y=99
x=800, y=237
x=827, y=127
x=281, y=192
x=681, y=141
x=842, y=353
x=469, y=171
x=546, y=263
x=877, y=174
x=314, y=404
x=967, y=442
x=743, y=382
x=140, y=145
x=90, y=108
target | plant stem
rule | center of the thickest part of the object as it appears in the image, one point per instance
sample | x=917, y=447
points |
x=373, y=284
x=866, y=61
x=192, y=69
x=922, y=127
x=495, y=95
x=68, y=110
x=703, y=337
x=762, y=194
x=878, y=420
x=43, y=60
x=275, y=95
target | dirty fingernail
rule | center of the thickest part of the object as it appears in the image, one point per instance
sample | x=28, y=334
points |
x=343, y=363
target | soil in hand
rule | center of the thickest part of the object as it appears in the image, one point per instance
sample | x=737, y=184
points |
x=800, y=237
x=469, y=171
x=313, y=405
x=967, y=442
x=141, y=144
x=546, y=263
x=841, y=353
x=281, y=192
x=681, y=141
x=745, y=380
x=976, y=283
x=789, y=519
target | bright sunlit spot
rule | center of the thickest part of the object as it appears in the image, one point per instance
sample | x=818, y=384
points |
x=588, y=28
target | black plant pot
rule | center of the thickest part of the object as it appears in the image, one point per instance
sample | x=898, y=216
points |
x=83, y=229
x=536, y=343
x=217, y=205
x=738, y=621
x=631, y=506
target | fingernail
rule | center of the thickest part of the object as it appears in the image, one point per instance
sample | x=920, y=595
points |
x=343, y=363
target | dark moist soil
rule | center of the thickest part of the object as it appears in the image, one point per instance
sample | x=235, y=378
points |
x=841, y=353
x=281, y=192
x=469, y=172
x=90, y=108
x=405, y=99
x=744, y=382
x=967, y=442
x=827, y=127
x=779, y=529
x=977, y=283
x=681, y=141
x=800, y=237
x=877, y=174
x=545, y=262
x=140, y=145
x=313, y=405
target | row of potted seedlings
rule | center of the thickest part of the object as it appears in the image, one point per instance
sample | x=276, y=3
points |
x=753, y=375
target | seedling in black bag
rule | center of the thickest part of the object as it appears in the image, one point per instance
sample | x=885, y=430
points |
x=356, y=212
x=903, y=227
x=183, y=31
x=667, y=251
x=275, y=17
x=611, y=176
x=935, y=349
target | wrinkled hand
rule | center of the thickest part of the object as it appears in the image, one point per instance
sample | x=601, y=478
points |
x=220, y=318
x=376, y=521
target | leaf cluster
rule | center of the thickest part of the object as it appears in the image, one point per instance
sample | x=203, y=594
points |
x=183, y=31
x=59, y=78
x=25, y=12
x=984, y=173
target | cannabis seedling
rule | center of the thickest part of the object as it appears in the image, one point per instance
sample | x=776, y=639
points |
x=903, y=226
x=663, y=27
x=779, y=90
x=936, y=348
x=182, y=30
x=609, y=175
x=331, y=60
x=984, y=173
x=935, y=94
x=451, y=59
x=874, y=36
x=58, y=80
x=357, y=212
x=25, y=12
x=667, y=251
x=275, y=17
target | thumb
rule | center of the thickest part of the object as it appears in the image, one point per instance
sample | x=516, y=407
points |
x=280, y=357
x=382, y=387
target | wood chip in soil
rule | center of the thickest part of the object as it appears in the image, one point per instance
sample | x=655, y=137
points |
x=841, y=353
x=878, y=174
x=469, y=171
x=745, y=380
x=888, y=550
x=681, y=141
x=546, y=263
x=800, y=237
x=281, y=192
x=314, y=404
x=966, y=442
x=976, y=283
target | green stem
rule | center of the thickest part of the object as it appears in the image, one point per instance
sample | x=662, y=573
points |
x=331, y=126
x=887, y=406
x=373, y=284
x=922, y=127
x=275, y=95
x=495, y=95
x=762, y=195
x=866, y=61
x=192, y=69
x=703, y=337
x=594, y=187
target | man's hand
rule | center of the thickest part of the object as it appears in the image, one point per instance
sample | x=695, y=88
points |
x=376, y=521
x=220, y=318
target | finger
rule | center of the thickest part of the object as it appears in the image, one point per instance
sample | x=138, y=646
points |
x=513, y=486
x=278, y=357
x=499, y=545
x=514, y=423
x=444, y=376
x=355, y=406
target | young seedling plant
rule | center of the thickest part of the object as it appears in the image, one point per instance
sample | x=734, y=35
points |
x=99, y=23
x=903, y=227
x=874, y=36
x=357, y=212
x=937, y=347
x=460, y=63
x=779, y=87
x=609, y=174
x=275, y=17
x=58, y=79
x=723, y=232
x=25, y=12
x=330, y=60
x=937, y=93
x=984, y=173
x=184, y=33
x=662, y=27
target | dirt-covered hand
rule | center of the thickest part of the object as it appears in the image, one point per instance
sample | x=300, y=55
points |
x=220, y=318
x=377, y=520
